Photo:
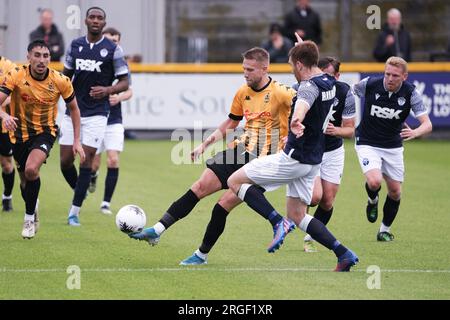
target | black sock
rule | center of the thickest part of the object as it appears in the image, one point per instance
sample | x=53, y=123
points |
x=372, y=193
x=390, y=210
x=322, y=235
x=255, y=199
x=31, y=195
x=22, y=191
x=81, y=186
x=71, y=176
x=180, y=208
x=215, y=228
x=94, y=175
x=110, y=183
x=322, y=215
x=8, y=182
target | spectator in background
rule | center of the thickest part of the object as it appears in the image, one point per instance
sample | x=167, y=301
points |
x=305, y=21
x=277, y=45
x=48, y=32
x=393, y=39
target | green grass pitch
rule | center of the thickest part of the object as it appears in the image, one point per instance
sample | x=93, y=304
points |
x=415, y=266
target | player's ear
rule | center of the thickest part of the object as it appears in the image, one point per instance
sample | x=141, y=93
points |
x=405, y=76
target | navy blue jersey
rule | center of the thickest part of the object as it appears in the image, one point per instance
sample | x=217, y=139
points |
x=384, y=112
x=115, y=115
x=319, y=93
x=94, y=64
x=343, y=107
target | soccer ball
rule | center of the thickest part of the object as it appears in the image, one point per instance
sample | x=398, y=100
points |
x=131, y=218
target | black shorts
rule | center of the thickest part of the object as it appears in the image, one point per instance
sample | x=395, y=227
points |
x=21, y=151
x=225, y=163
x=5, y=145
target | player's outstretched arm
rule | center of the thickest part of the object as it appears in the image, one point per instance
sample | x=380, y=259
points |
x=75, y=115
x=424, y=128
x=217, y=135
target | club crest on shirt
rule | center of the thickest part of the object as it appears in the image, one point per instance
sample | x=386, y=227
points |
x=103, y=52
x=80, y=48
x=401, y=101
x=377, y=96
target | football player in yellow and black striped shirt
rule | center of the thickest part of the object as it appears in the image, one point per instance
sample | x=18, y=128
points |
x=6, y=158
x=266, y=105
x=35, y=90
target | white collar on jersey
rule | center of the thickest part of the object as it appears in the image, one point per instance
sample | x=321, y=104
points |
x=93, y=44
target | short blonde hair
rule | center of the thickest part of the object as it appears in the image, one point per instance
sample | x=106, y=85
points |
x=398, y=62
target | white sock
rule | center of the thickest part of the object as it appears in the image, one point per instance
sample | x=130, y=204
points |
x=243, y=190
x=200, y=254
x=305, y=222
x=159, y=228
x=29, y=217
x=373, y=201
x=308, y=238
x=104, y=203
x=6, y=197
x=74, y=211
x=384, y=228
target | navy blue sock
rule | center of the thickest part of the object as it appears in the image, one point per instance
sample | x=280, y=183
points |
x=215, y=228
x=323, y=215
x=8, y=182
x=71, y=176
x=81, y=186
x=22, y=192
x=372, y=193
x=180, y=208
x=31, y=194
x=322, y=235
x=110, y=183
x=390, y=210
x=255, y=199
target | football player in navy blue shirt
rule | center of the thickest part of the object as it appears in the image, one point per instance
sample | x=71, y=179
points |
x=298, y=164
x=94, y=62
x=112, y=141
x=388, y=101
x=341, y=125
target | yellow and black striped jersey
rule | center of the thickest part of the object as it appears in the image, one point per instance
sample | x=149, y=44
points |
x=35, y=102
x=5, y=66
x=266, y=112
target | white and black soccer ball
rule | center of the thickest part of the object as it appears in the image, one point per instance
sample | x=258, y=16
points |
x=131, y=218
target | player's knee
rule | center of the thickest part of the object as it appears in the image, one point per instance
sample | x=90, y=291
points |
x=7, y=164
x=200, y=188
x=374, y=183
x=31, y=173
x=113, y=161
x=395, y=194
x=66, y=161
x=327, y=201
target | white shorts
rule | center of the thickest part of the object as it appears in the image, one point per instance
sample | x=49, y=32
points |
x=273, y=171
x=92, y=131
x=113, y=139
x=332, y=166
x=389, y=161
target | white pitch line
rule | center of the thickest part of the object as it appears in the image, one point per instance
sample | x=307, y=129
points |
x=191, y=269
